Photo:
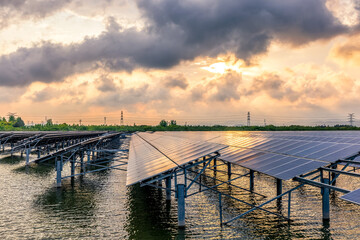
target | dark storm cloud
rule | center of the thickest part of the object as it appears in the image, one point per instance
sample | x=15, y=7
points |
x=176, y=31
x=245, y=27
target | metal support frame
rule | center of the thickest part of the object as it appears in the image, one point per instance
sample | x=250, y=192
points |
x=278, y=186
x=58, y=172
x=229, y=169
x=28, y=150
x=168, y=188
x=251, y=180
x=180, y=189
x=325, y=200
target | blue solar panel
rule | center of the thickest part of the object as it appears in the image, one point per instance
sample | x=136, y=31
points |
x=353, y=196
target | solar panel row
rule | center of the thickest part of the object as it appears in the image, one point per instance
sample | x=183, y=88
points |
x=323, y=151
x=279, y=166
x=282, y=155
x=153, y=154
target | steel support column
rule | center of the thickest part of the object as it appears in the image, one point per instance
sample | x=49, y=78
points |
x=278, y=186
x=82, y=162
x=326, y=201
x=72, y=167
x=181, y=205
x=58, y=173
x=168, y=188
x=28, y=155
x=229, y=169
x=333, y=175
x=251, y=180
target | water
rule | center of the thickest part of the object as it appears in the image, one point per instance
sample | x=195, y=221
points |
x=99, y=205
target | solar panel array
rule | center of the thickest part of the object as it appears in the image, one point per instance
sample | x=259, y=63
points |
x=279, y=166
x=283, y=155
x=151, y=154
x=353, y=196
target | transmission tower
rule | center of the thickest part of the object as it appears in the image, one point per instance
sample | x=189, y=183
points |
x=122, y=118
x=104, y=120
x=264, y=122
x=80, y=121
x=11, y=114
x=351, y=118
x=248, y=119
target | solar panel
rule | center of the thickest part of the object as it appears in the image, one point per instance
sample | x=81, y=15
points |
x=353, y=196
x=154, y=154
x=281, y=154
x=276, y=165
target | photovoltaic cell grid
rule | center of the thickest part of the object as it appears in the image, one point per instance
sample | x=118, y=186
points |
x=282, y=155
x=275, y=165
x=353, y=196
x=149, y=154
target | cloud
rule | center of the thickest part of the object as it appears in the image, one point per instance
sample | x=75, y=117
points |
x=176, y=31
x=15, y=10
x=347, y=52
x=124, y=96
x=243, y=27
x=176, y=81
x=45, y=94
x=226, y=87
x=106, y=84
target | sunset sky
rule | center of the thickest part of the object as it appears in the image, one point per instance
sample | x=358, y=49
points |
x=195, y=61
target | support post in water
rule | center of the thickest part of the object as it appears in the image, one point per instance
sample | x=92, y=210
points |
x=28, y=155
x=220, y=208
x=58, y=173
x=251, y=180
x=289, y=205
x=72, y=167
x=82, y=162
x=326, y=201
x=168, y=188
x=181, y=205
x=229, y=169
x=278, y=186
x=333, y=175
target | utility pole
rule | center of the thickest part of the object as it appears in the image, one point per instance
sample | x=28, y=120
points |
x=248, y=119
x=104, y=120
x=122, y=119
x=80, y=122
x=351, y=118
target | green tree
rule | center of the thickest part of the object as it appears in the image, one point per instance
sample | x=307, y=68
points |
x=19, y=123
x=163, y=123
x=173, y=123
x=12, y=118
x=49, y=122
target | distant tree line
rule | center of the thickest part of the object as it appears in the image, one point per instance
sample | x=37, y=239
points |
x=12, y=123
x=17, y=124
